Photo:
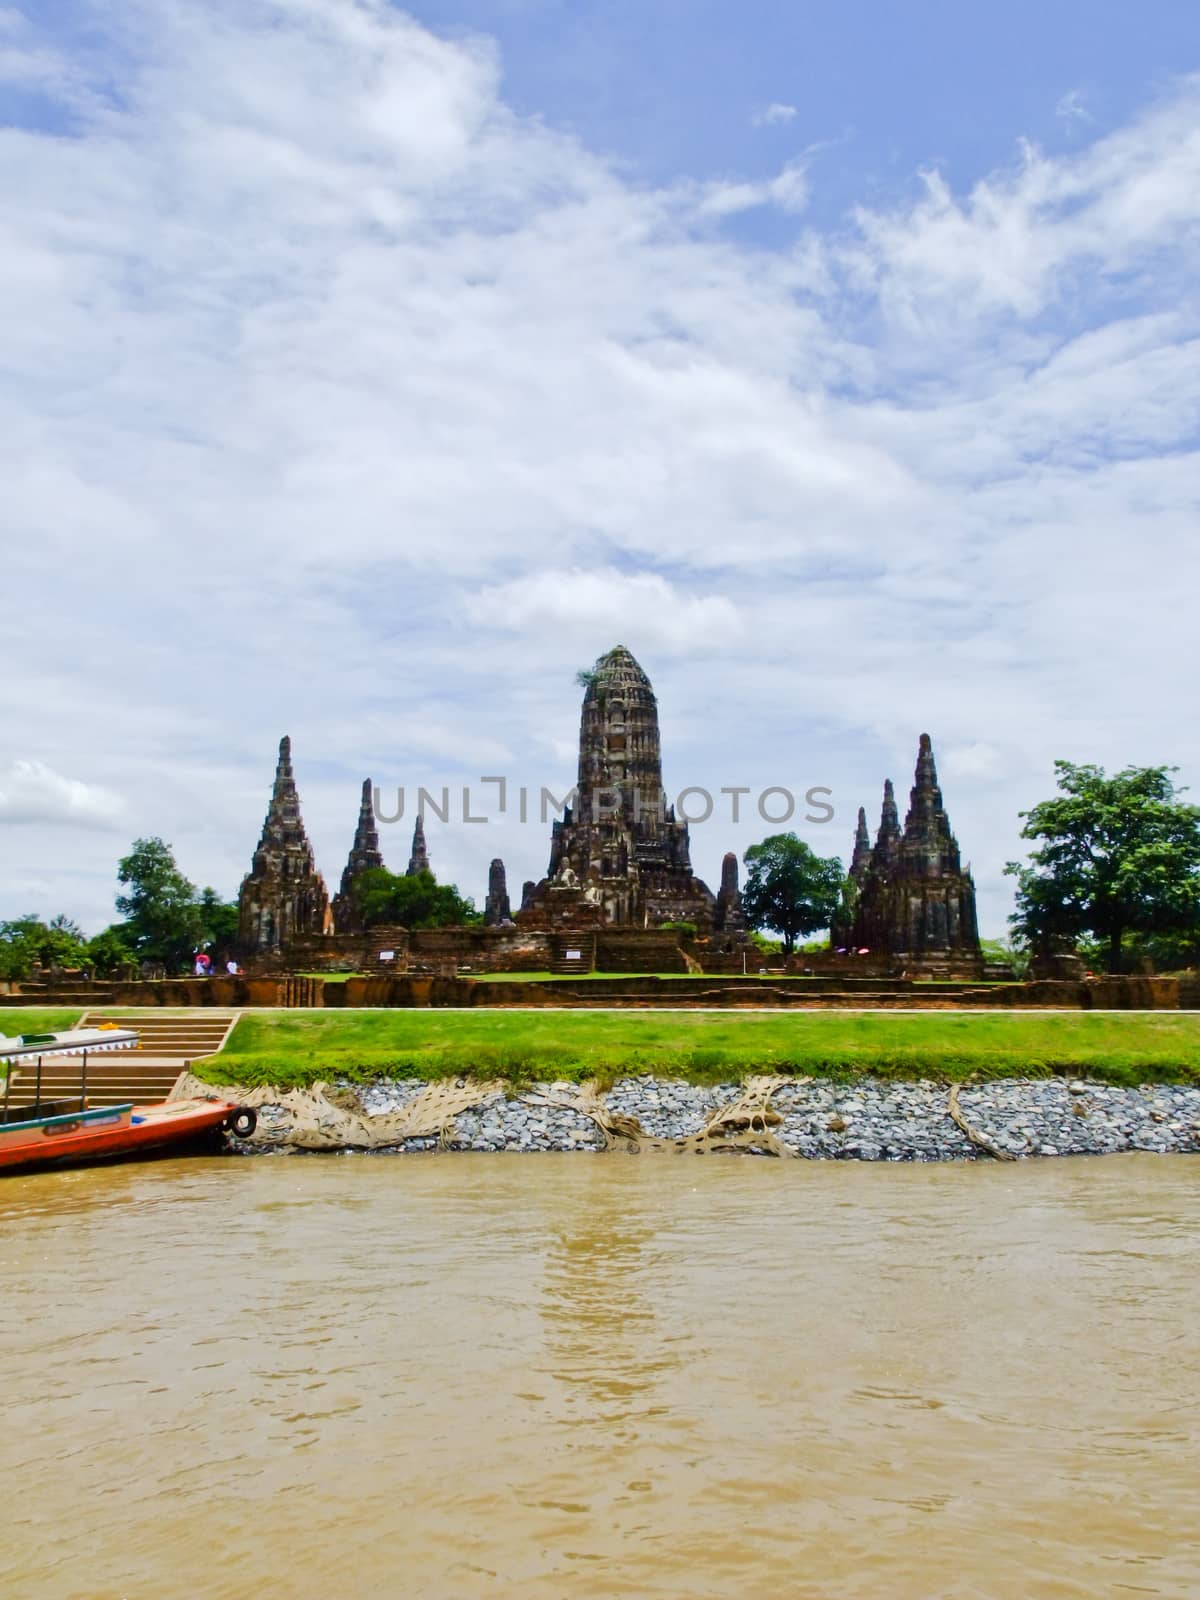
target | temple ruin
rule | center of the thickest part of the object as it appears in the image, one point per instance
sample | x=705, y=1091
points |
x=729, y=918
x=620, y=892
x=914, y=900
x=618, y=855
x=497, y=911
x=418, y=860
x=365, y=854
x=283, y=896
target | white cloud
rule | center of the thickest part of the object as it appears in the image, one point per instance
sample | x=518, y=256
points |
x=1044, y=232
x=1072, y=107
x=342, y=401
x=788, y=190
x=773, y=115
x=593, y=609
x=31, y=792
x=976, y=760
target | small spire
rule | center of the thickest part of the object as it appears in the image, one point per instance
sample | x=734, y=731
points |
x=925, y=776
x=365, y=851
x=729, y=873
x=364, y=855
x=926, y=825
x=497, y=909
x=887, y=840
x=285, y=778
x=730, y=915
x=861, y=858
x=419, y=860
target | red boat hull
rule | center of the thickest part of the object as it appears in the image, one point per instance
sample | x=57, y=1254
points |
x=127, y=1131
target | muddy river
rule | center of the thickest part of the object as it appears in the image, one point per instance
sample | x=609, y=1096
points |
x=566, y=1376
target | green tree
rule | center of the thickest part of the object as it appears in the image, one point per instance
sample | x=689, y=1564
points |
x=1004, y=953
x=218, y=920
x=416, y=902
x=162, y=917
x=789, y=888
x=1117, y=856
x=28, y=942
x=109, y=952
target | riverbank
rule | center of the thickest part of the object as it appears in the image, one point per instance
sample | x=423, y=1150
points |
x=292, y=1049
x=815, y=1120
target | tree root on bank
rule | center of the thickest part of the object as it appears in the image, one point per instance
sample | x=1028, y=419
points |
x=317, y=1122
x=980, y=1140
x=745, y=1124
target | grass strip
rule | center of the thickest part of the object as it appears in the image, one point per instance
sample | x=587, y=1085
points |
x=37, y=1019
x=294, y=1048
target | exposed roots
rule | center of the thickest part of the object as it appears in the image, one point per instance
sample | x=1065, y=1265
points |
x=747, y=1123
x=316, y=1122
x=978, y=1139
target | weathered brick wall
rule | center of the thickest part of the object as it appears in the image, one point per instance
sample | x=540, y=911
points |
x=638, y=950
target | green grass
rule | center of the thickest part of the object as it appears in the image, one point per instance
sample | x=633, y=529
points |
x=290, y=1048
x=37, y=1019
x=34, y=1019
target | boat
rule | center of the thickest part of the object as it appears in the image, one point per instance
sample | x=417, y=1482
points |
x=44, y=1133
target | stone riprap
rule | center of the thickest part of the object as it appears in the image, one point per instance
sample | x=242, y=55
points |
x=864, y=1121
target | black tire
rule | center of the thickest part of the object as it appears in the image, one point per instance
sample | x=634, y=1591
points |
x=243, y=1122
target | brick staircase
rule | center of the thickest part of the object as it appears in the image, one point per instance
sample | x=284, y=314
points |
x=562, y=959
x=168, y=1041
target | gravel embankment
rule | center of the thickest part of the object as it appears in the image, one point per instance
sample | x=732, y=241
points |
x=863, y=1122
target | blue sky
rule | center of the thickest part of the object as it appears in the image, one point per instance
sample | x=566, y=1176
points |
x=680, y=88
x=367, y=372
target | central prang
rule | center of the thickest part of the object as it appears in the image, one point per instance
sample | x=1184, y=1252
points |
x=619, y=855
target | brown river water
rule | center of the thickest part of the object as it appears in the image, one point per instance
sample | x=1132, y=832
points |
x=558, y=1376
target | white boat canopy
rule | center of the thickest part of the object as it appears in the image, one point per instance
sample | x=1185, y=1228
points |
x=74, y=1042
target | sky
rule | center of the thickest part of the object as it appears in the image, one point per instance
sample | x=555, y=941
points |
x=367, y=372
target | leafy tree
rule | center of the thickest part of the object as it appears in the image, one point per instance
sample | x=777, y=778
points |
x=1002, y=952
x=218, y=920
x=162, y=917
x=109, y=952
x=789, y=888
x=27, y=942
x=1119, y=855
x=419, y=901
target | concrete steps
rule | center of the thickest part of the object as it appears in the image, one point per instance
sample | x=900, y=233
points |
x=167, y=1043
x=182, y=1035
x=110, y=1080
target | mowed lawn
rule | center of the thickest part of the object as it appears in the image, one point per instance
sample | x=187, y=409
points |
x=296, y=1047
x=16, y=1020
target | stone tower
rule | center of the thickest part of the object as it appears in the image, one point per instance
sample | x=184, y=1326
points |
x=418, y=861
x=618, y=855
x=841, y=930
x=283, y=895
x=364, y=854
x=497, y=909
x=886, y=853
x=917, y=902
x=861, y=859
x=729, y=918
